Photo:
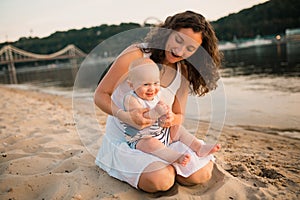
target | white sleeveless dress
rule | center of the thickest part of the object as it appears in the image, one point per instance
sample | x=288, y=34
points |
x=127, y=164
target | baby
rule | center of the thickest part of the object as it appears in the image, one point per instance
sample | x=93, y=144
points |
x=144, y=80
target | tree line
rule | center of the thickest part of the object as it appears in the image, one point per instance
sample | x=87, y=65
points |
x=269, y=18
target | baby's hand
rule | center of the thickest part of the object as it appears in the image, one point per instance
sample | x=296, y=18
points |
x=161, y=108
x=167, y=119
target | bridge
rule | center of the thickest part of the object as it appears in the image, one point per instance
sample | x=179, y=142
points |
x=9, y=55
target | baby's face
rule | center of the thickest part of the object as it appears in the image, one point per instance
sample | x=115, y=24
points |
x=146, y=84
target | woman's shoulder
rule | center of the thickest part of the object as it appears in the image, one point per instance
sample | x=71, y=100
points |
x=127, y=56
x=133, y=50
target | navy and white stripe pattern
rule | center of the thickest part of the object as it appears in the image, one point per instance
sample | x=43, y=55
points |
x=133, y=135
x=164, y=136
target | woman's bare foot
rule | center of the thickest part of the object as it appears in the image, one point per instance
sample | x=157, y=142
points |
x=207, y=149
x=184, y=159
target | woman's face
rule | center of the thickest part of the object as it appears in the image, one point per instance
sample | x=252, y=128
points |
x=182, y=44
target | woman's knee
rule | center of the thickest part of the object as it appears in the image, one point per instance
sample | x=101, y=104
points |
x=165, y=179
x=158, y=180
x=201, y=176
x=204, y=174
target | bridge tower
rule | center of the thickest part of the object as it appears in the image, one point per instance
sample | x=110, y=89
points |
x=11, y=65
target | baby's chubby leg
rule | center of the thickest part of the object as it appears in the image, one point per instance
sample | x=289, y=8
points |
x=179, y=133
x=155, y=147
x=207, y=149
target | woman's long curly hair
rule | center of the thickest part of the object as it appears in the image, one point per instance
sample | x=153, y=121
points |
x=203, y=65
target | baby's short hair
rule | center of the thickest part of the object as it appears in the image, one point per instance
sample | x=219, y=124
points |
x=140, y=62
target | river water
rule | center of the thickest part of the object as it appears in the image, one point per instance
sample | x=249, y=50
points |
x=259, y=90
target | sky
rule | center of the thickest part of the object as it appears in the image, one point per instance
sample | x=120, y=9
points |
x=41, y=18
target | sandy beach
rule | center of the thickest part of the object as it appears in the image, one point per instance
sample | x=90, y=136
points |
x=42, y=157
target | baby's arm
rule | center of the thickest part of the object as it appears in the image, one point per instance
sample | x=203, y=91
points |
x=131, y=103
x=159, y=110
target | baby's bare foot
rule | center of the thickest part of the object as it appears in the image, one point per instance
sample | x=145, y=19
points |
x=207, y=149
x=184, y=159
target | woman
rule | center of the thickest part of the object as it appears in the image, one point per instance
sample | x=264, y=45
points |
x=186, y=47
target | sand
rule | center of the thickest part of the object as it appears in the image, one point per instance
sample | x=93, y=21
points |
x=42, y=157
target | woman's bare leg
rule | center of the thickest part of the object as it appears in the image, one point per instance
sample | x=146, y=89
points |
x=157, y=177
x=199, y=177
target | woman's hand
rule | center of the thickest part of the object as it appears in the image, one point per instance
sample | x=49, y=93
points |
x=136, y=118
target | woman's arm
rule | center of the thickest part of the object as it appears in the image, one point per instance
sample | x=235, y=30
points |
x=176, y=116
x=179, y=105
x=109, y=83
